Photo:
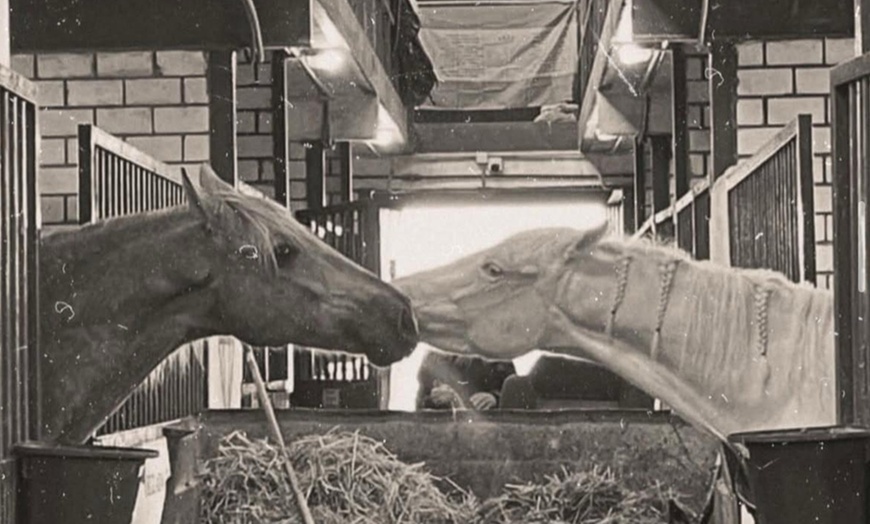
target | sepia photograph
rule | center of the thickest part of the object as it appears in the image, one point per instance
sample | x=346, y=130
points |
x=434, y=262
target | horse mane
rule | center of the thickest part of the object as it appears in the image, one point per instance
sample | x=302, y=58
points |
x=725, y=314
x=263, y=223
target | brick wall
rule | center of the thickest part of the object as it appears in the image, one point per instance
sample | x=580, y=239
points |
x=255, y=139
x=157, y=101
x=777, y=81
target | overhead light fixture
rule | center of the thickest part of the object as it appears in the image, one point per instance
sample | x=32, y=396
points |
x=387, y=132
x=632, y=54
x=627, y=52
x=327, y=60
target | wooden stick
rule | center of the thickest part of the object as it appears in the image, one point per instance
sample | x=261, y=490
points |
x=276, y=434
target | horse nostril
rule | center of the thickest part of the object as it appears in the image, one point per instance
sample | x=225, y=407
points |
x=408, y=323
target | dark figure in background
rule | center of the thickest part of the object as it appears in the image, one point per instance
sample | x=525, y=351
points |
x=458, y=381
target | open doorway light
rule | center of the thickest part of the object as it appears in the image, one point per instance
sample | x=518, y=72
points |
x=424, y=236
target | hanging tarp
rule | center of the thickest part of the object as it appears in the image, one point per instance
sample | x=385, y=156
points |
x=501, y=54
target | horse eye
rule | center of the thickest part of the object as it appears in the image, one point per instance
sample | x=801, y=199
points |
x=284, y=254
x=492, y=270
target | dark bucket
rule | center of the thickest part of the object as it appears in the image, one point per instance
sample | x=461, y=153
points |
x=78, y=484
x=813, y=475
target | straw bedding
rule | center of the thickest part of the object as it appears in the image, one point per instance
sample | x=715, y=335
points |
x=349, y=478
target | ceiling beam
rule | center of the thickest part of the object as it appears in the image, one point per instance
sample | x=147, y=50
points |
x=113, y=25
x=655, y=21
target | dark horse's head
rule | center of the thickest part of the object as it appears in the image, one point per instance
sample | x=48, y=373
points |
x=277, y=283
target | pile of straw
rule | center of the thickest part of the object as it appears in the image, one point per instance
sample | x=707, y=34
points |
x=349, y=478
x=588, y=497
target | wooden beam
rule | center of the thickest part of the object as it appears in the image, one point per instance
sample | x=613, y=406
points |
x=639, y=188
x=722, y=69
x=656, y=21
x=660, y=167
x=279, y=128
x=345, y=154
x=223, y=150
x=315, y=175
x=679, y=121
x=110, y=25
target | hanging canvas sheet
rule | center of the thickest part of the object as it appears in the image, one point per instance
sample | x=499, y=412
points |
x=500, y=54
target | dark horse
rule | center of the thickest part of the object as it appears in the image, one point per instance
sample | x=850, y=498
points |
x=120, y=295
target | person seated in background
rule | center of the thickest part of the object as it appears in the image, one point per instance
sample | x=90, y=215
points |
x=461, y=382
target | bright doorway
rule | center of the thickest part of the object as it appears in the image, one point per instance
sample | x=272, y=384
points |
x=422, y=235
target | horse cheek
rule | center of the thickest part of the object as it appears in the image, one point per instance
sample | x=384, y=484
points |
x=511, y=329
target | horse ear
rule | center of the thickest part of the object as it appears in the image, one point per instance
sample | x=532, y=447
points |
x=589, y=237
x=194, y=196
x=211, y=182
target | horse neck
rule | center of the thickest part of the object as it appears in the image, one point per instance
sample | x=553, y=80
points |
x=117, y=298
x=735, y=346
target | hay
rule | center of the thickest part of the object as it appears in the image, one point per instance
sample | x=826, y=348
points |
x=349, y=478
x=598, y=496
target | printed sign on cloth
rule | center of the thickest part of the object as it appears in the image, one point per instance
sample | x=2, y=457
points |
x=500, y=54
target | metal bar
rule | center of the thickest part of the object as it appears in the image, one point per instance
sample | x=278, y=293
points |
x=315, y=175
x=639, y=183
x=279, y=127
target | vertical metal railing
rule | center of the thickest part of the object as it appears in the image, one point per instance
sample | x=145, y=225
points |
x=19, y=266
x=850, y=130
x=686, y=223
x=352, y=229
x=116, y=179
x=769, y=198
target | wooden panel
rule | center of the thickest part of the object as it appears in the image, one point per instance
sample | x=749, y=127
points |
x=108, y=25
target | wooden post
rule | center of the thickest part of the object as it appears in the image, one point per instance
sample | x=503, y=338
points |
x=679, y=117
x=639, y=189
x=223, y=150
x=279, y=128
x=661, y=157
x=345, y=154
x=722, y=84
x=315, y=175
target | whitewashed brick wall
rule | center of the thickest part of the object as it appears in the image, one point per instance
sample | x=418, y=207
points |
x=157, y=101
x=777, y=81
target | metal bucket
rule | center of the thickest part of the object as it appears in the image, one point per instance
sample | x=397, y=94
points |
x=78, y=484
x=816, y=475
